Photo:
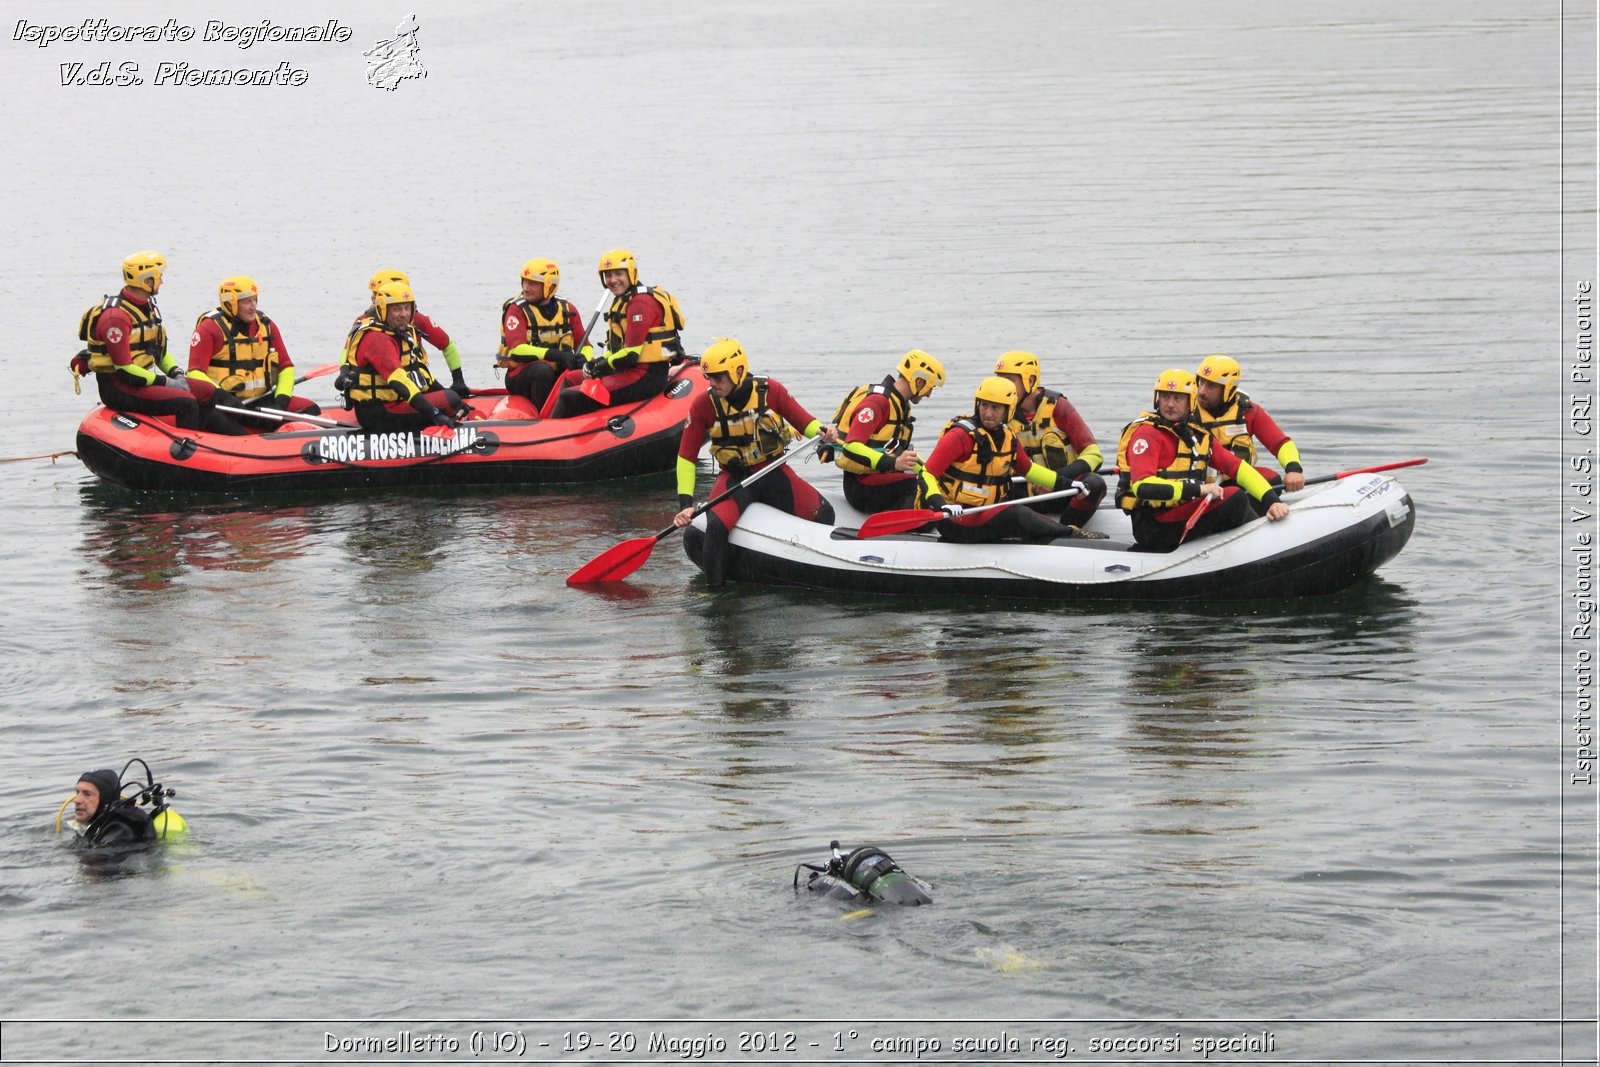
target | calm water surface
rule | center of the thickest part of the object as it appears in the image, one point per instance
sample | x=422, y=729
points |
x=427, y=781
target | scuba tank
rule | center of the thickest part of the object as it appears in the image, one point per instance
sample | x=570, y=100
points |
x=867, y=875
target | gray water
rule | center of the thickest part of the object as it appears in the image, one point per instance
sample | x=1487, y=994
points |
x=433, y=790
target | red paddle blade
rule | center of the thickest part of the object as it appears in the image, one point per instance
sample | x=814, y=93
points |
x=615, y=563
x=317, y=372
x=891, y=522
x=1194, y=517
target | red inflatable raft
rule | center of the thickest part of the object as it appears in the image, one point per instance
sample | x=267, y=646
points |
x=508, y=446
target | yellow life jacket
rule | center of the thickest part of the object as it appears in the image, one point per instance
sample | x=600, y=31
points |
x=662, y=343
x=248, y=367
x=1230, y=429
x=368, y=385
x=892, y=436
x=1041, y=438
x=549, y=331
x=984, y=477
x=147, y=339
x=744, y=436
x=1189, y=465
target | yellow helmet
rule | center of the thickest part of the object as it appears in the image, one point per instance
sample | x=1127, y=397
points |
x=232, y=289
x=384, y=276
x=142, y=270
x=1175, y=381
x=1224, y=371
x=996, y=391
x=545, y=272
x=726, y=356
x=923, y=372
x=388, y=294
x=620, y=259
x=1023, y=364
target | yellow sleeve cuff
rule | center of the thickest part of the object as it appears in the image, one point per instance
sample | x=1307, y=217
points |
x=687, y=469
x=1289, y=454
x=402, y=381
x=1251, y=481
x=285, y=381
x=1092, y=456
x=1042, y=476
x=813, y=428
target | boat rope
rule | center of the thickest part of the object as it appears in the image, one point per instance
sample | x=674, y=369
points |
x=1214, y=541
x=199, y=445
x=51, y=456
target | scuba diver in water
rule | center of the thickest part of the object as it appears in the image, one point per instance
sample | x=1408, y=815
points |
x=103, y=817
x=865, y=876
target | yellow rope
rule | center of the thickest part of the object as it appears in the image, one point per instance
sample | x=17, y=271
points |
x=51, y=456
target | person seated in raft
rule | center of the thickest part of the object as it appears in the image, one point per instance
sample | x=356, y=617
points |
x=747, y=418
x=1054, y=434
x=642, y=340
x=239, y=352
x=972, y=465
x=1238, y=422
x=426, y=328
x=539, y=334
x=1165, y=457
x=126, y=350
x=391, y=387
x=877, y=458
x=103, y=818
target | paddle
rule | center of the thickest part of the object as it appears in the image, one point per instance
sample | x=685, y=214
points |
x=891, y=522
x=316, y=372
x=1323, y=478
x=1366, y=470
x=619, y=561
x=282, y=416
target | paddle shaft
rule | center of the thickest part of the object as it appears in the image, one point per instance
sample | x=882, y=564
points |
x=621, y=560
x=279, y=416
x=888, y=522
x=1322, y=479
x=317, y=372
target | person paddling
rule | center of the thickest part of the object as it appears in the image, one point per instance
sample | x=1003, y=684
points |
x=972, y=466
x=1053, y=433
x=1165, y=457
x=747, y=418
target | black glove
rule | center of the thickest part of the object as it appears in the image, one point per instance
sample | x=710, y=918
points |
x=459, y=384
x=424, y=407
x=1073, y=472
x=597, y=367
x=564, y=358
x=274, y=402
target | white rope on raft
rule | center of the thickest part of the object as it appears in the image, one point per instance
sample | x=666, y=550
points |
x=1214, y=541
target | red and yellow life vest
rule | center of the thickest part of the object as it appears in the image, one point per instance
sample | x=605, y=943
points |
x=368, y=384
x=248, y=366
x=662, y=343
x=892, y=436
x=551, y=330
x=1190, y=464
x=147, y=338
x=984, y=477
x=1230, y=429
x=750, y=434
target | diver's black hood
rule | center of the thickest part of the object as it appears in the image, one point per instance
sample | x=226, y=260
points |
x=109, y=783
